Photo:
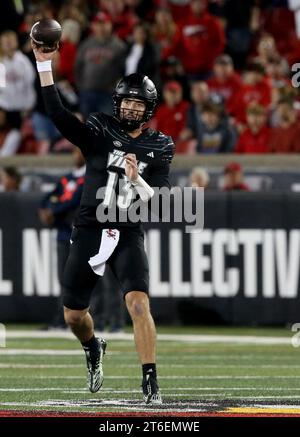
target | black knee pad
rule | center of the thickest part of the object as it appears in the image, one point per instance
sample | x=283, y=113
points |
x=75, y=299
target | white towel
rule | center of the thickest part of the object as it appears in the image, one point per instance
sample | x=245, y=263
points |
x=109, y=241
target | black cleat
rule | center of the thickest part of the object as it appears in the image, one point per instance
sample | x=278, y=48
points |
x=94, y=360
x=151, y=391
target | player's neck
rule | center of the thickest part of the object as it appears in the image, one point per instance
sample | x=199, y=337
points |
x=135, y=133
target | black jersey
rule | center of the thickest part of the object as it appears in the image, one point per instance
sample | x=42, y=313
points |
x=104, y=144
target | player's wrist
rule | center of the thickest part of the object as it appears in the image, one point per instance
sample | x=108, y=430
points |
x=135, y=181
x=44, y=66
x=143, y=189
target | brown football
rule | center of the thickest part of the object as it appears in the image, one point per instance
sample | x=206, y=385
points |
x=46, y=33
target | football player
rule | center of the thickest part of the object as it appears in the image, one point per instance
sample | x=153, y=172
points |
x=116, y=148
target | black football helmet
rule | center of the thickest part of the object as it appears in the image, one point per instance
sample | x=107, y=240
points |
x=134, y=86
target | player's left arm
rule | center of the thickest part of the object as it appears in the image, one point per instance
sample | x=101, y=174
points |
x=159, y=176
x=160, y=171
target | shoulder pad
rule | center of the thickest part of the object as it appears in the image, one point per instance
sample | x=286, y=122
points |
x=97, y=122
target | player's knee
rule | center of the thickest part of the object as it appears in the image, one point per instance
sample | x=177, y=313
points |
x=73, y=317
x=137, y=304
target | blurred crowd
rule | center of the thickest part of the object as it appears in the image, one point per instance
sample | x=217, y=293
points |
x=223, y=69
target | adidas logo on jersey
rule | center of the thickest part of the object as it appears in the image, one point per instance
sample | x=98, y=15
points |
x=151, y=154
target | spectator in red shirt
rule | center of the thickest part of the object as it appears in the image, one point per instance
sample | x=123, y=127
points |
x=225, y=81
x=171, y=115
x=285, y=138
x=123, y=17
x=255, y=88
x=255, y=139
x=71, y=33
x=266, y=49
x=234, y=178
x=202, y=40
x=279, y=21
x=165, y=32
x=293, y=55
x=179, y=9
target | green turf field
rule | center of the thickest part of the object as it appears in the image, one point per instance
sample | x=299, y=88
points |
x=195, y=375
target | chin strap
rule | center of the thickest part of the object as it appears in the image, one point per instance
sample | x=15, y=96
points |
x=130, y=125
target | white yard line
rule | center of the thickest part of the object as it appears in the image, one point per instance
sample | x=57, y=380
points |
x=34, y=389
x=266, y=397
x=40, y=366
x=19, y=351
x=187, y=338
x=173, y=377
x=129, y=365
x=111, y=405
x=4, y=351
x=275, y=406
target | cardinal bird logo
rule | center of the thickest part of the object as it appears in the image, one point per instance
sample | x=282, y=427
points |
x=111, y=233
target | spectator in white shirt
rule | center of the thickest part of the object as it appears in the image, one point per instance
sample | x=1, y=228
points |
x=18, y=93
x=142, y=53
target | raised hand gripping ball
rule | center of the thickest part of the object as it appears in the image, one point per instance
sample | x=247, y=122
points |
x=46, y=33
